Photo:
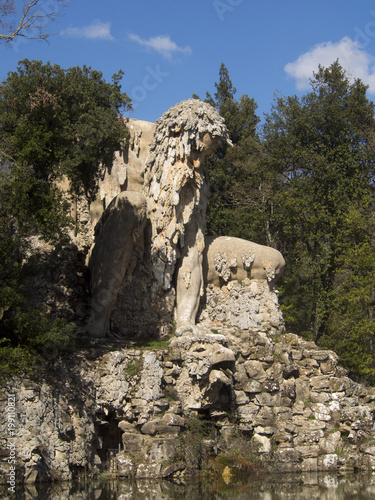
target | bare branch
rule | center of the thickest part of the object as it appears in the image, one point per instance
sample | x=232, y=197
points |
x=32, y=21
x=7, y=8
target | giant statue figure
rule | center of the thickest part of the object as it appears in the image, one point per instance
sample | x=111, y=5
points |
x=177, y=191
x=171, y=196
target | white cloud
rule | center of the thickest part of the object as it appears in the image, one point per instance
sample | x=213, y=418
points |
x=162, y=44
x=357, y=62
x=97, y=30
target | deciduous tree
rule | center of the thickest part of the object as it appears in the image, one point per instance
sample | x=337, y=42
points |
x=53, y=122
x=62, y=121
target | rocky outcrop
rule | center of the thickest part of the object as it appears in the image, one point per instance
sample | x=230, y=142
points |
x=164, y=412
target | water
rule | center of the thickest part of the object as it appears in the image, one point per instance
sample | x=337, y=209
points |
x=268, y=487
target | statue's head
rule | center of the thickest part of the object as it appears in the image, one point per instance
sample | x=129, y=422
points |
x=184, y=135
x=188, y=130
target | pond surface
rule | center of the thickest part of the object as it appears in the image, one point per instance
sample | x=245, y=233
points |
x=269, y=487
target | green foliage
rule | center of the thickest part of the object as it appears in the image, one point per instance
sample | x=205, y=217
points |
x=62, y=121
x=53, y=122
x=30, y=327
x=134, y=367
x=170, y=393
x=239, y=203
x=322, y=146
x=30, y=338
x=28, y=207
x=306, y=186
x=191, y=448
x=150, y=344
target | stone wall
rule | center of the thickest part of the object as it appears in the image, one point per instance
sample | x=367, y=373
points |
x=278, y=398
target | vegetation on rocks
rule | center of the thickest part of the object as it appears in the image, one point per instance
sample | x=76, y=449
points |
x=303, y=183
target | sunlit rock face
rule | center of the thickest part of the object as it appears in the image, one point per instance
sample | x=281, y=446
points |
x=148, y=272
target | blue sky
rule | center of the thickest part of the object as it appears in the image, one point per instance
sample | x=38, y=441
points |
x=170, y=49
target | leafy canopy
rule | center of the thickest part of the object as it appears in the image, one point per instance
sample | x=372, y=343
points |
x=53, y=122
x=62, y=122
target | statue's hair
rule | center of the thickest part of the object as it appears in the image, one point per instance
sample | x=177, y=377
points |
x=172, y=184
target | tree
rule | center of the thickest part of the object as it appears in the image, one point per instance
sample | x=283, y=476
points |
x=53, y=122
x=31, y=22
x=239, y=203
x=62, y=122
x=323, y=146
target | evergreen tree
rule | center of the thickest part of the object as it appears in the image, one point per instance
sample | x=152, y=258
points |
x=239, y=199
x=322, y=146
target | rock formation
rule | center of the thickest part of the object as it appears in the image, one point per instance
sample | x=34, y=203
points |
x=151, y=267
x=136, y=412
x=175, y=193
x=234, y=382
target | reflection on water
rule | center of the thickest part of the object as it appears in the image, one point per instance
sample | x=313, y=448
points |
x=269, y=487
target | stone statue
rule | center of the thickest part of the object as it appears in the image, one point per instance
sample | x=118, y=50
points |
x=175, y=193
x=120, y=231
x=160, y=210
x=176, y=190
x=227, y=259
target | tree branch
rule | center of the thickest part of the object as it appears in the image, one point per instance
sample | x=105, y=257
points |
x=33, y=20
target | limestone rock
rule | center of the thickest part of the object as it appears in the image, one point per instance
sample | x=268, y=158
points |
x=249, y=305
x=262, y=443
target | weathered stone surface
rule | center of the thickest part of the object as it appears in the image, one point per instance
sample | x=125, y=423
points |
x=293, y=423
x=248, y=305
x=330, y=443
x=255, y=370
x=287, y=455
x=142, y=403
x=328, y=462
x=309, y=465
x=127, y=163
x=253, y=386
x=302, y=389
x=222, y=355
x=247, y=412
x=229, y=259
x=262, y=443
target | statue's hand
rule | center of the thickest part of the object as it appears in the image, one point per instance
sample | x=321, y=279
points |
x=186, y=328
